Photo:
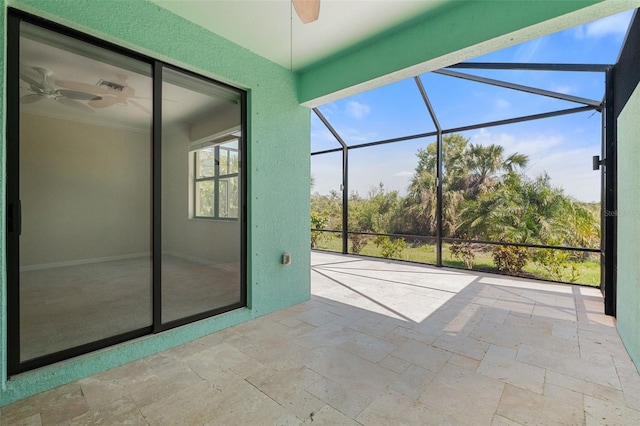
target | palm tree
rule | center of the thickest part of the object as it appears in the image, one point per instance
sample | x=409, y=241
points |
x=468, y=171
x=520, y=210
x=485, y=163
x=420, y=205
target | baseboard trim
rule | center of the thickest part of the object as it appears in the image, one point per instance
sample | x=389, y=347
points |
x=82, y=262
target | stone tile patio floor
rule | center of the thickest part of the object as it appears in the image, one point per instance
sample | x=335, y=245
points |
x=379, y=343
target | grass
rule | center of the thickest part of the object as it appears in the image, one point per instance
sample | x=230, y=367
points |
x=588, y=271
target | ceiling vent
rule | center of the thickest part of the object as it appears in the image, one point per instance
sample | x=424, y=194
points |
x=110, y=85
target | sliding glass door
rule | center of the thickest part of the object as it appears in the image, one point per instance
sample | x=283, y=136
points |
x=124, y=195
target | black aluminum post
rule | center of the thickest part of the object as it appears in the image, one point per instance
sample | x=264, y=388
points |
x=436, y=123
x=609, y=202
x=345, y=199
x=439, y=199
x=345, y=179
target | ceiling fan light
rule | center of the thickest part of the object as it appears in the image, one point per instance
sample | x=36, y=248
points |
x=307, y=10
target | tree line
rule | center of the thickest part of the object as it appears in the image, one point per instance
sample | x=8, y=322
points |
x=485, y=196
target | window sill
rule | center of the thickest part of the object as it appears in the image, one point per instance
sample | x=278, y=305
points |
x=213, y=219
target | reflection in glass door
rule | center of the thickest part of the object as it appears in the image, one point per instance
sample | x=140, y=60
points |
x=85, y=192
x=201, y=227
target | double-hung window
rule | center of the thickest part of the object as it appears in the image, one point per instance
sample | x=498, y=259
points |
x=215, y=180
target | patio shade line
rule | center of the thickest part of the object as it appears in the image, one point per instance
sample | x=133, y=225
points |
x=361, y=275
x=371, y=299
x=519, y=87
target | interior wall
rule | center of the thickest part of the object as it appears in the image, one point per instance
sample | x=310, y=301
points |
x=278, y=130
x=182, y=235
x=80, y=185
x=219, y=122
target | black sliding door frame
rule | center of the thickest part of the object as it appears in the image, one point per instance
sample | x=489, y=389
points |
x=13, y=225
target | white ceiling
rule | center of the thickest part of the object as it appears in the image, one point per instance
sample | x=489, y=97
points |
x=73, y=64
x=270, y=28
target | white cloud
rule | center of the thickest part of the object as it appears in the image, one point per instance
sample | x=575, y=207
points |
x=329, y=109
x=502, y=103
x=527, y=51
x=354, y=136
x=615, y=25
x=533, y=145
x=404, y=174
x=562, y=88
x=569, y=169
x=357, y=110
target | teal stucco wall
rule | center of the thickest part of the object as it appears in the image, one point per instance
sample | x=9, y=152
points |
x=278, y=140
x=628, y=296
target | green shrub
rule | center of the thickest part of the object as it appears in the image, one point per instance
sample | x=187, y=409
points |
x=556, y=264
x=317, y=222
x=358, y=241
x=464, y=252
x=390, y=248
x=510, y=259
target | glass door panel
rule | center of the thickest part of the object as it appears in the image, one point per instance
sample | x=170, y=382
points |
x=201, y=228
x=85, y=190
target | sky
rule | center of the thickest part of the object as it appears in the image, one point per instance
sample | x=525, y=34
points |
x=561, y=146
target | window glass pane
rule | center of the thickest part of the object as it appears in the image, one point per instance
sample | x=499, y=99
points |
x=85, y=186
x=223, y=198
x=204, y=198
x=228, y=197
x=229, y=158
x=200, y=255
x=206, y=162
x=224, y=161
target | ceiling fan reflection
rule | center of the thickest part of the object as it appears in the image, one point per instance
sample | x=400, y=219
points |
x=42, y=90
x=111, y=93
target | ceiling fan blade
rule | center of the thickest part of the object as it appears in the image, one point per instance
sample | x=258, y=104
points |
x=29, y=99
x=74, y=94
x=142, y=107
x=307, y=10
x=82, y=87
x=29, y=80
x=74, y=104
x=103, y=102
